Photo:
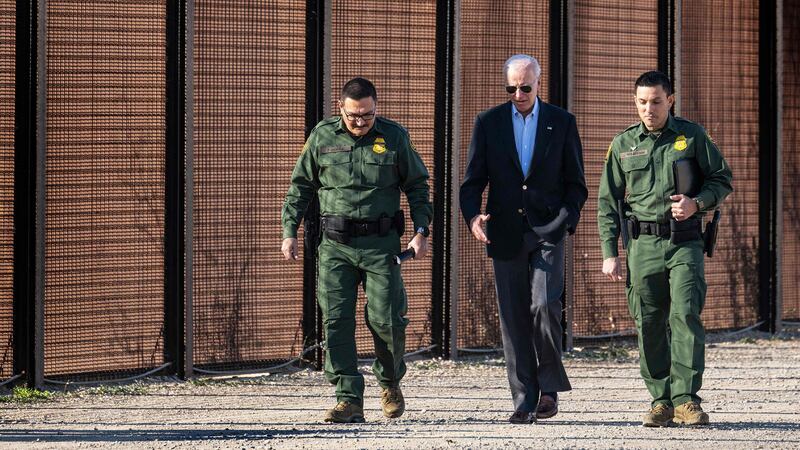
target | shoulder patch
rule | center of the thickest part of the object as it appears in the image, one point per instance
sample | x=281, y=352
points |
x=608, y=153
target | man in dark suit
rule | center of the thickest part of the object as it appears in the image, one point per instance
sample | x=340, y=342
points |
x=530, y=155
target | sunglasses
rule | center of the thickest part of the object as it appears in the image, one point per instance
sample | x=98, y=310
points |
x=524, y=88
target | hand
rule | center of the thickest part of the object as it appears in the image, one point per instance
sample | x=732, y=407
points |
x=289, y=248
x=476, y=226
x=683, y=208
x=420, y=245
x=611, y=268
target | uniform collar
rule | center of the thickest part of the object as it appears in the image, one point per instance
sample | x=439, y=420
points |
x=670, y=125
x=376, y=127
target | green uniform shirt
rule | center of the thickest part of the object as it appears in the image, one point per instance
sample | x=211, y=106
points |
x=357, y=177
x=640, y=163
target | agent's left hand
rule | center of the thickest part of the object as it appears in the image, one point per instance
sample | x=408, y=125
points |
x=683, y=208
x=420, y=245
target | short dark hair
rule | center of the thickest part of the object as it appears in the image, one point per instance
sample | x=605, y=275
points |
x=654, y=78
x=359, y=88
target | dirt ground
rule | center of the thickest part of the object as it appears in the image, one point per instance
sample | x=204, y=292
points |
x=750, y=391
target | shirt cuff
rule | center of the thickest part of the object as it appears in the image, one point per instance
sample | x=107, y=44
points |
x=289, y=232
x=610, y=250
x=423, y=221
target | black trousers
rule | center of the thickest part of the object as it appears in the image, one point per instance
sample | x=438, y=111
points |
x=529, y=288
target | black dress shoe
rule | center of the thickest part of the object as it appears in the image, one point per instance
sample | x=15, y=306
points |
x=548, y=406
x=523, y=417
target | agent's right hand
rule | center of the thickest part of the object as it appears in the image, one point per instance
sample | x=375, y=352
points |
x=289, y=248
x=476, y=226
x=611, y=268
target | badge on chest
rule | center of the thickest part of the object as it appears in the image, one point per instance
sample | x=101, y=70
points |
x=379, y=146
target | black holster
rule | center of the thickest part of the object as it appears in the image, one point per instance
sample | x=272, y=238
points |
x=632, y=224
x=313, y=233
x=710, y=236
x=399, y=220
x=685, y=230
x=623, y=224
x=313, y=227
x=385, y=224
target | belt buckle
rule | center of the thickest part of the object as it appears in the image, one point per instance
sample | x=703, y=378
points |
x=361, y=229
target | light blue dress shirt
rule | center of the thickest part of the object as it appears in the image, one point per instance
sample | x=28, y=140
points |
x=525, y=135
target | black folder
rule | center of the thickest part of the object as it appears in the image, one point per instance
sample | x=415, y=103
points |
x=688, y=177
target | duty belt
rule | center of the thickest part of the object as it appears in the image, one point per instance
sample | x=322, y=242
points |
x=359, y=227
x=654, y=229
x=353, y=227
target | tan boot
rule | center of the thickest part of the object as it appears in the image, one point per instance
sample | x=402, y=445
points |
x=659, y=416
x=690, y=413
x=345, y=412
x=392, y=402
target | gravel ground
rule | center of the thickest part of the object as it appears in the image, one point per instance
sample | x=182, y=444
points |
x=750, y=391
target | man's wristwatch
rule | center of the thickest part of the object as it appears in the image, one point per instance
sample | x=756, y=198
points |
x=699, y=202
x=424, y=231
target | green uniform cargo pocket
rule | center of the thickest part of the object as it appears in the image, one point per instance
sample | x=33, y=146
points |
x=380, y=169
x=634, y=305
x=638, y=175
x=336, y=168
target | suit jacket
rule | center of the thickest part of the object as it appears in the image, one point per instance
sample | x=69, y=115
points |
x=550, y=198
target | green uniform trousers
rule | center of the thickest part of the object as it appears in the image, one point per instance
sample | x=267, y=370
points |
x=342, y=268
x=666, y=292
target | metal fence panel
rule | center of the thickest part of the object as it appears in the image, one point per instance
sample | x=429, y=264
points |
x=490, y=32
x=249, y=109
x=104, y=272
x=790, y=147
x=105, y=164
x=611, y=49
x=7, y=98
x=393, y=44
x=719, y=90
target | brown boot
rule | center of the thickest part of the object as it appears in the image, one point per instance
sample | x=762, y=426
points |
x=690, y=413
x=659, y=416
x=345, y=412
x=392, y=402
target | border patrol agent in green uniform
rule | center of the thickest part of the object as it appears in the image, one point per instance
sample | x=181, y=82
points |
x=665, y=282
x=358, y=164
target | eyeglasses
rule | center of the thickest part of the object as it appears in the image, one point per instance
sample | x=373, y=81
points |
x=364, y=117
x=524, y=88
